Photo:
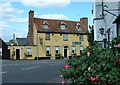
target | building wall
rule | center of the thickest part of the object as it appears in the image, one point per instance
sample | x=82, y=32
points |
x=4, y=54
x=57, y=40
x=22, y=52
x=106, y=22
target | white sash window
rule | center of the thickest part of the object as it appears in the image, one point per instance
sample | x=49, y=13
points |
x=47, y=36
x=81, y=37
x=73, y=49
x=56, y=49
x=65, y=37
x=28, y=51
x=47, y=50
x=81, y=48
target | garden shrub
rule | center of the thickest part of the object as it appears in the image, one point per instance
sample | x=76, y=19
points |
x=96, y=66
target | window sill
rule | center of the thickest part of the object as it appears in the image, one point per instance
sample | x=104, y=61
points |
x=48, y=54
x=29, y=55
x=57, y=54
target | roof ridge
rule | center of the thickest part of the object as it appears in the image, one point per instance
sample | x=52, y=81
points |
x=57, y=20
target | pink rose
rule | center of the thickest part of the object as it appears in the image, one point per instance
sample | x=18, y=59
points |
x=119, y=45
x=66, y=66
x=97, y=79
x=63, y=82
x=88, y=53
x=117, y=61
x=89, y=69
x=94, y=79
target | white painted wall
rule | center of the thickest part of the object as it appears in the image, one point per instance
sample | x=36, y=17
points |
x=107, y=22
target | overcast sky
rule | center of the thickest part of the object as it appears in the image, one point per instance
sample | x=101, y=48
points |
x=14, y=14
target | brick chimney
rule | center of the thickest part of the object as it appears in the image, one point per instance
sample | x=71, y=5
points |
x=84, y=22
x=31, y=33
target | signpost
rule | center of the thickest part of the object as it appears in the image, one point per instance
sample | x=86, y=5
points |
x=76, y=43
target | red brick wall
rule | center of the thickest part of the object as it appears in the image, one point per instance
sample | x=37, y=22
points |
x=31, y=19
x=84, y=22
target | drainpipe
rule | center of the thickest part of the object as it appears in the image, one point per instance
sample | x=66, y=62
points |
x=37, y=47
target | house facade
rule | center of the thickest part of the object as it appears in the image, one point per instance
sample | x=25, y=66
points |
x=117, y=22
x=50, y=38
x=104, y=14
x=4, y=52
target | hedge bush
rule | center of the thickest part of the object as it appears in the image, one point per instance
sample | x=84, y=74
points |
x=99, y=66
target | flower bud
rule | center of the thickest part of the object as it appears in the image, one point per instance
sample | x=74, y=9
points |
x=88, y=53
x=63, y=82
x=66, y=66
x=89, y=69
x=61, y=75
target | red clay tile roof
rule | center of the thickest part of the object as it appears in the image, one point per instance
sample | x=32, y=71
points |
x=54, y=26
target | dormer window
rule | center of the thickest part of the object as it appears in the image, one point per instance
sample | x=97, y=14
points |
x=62, y=25
x=78, y=27
x=45, y=24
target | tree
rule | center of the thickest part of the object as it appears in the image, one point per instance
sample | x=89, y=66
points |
x=91, y=35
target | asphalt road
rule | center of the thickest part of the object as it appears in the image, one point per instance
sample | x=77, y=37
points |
x=30, y=71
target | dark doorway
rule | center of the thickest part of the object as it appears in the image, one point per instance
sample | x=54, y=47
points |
x=17, y=53
x=65, y=52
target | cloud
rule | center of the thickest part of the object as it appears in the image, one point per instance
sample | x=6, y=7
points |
x=57, y=4
x=11, y=14
x=8, y=8
x=19, y=20
x=53, y=16
x=3, y=25
x=46, y=3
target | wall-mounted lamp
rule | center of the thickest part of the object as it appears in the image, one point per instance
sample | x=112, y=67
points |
x=41, y=40
x=102, y=31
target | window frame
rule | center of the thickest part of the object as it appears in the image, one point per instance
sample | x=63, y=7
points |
x=45, y=26
x=78, y=27
x=81, y=37
x=58, y=49
x=48, y=47
x=45, y=23
x=47, y=36
x=74, y=51
x=65, y=37
x=63, y=26
x=29, y=51
x=82, y=48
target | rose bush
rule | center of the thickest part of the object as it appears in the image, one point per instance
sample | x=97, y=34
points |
x=95, y=66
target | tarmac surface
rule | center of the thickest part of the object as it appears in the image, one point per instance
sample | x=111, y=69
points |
x=32, y=71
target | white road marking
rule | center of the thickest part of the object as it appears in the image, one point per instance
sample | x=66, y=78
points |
x=30, y=68
x=3, y=72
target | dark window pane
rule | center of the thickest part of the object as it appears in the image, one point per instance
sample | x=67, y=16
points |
x=47, y=37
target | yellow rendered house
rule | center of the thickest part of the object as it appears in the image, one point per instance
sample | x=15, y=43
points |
x=51, y=39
